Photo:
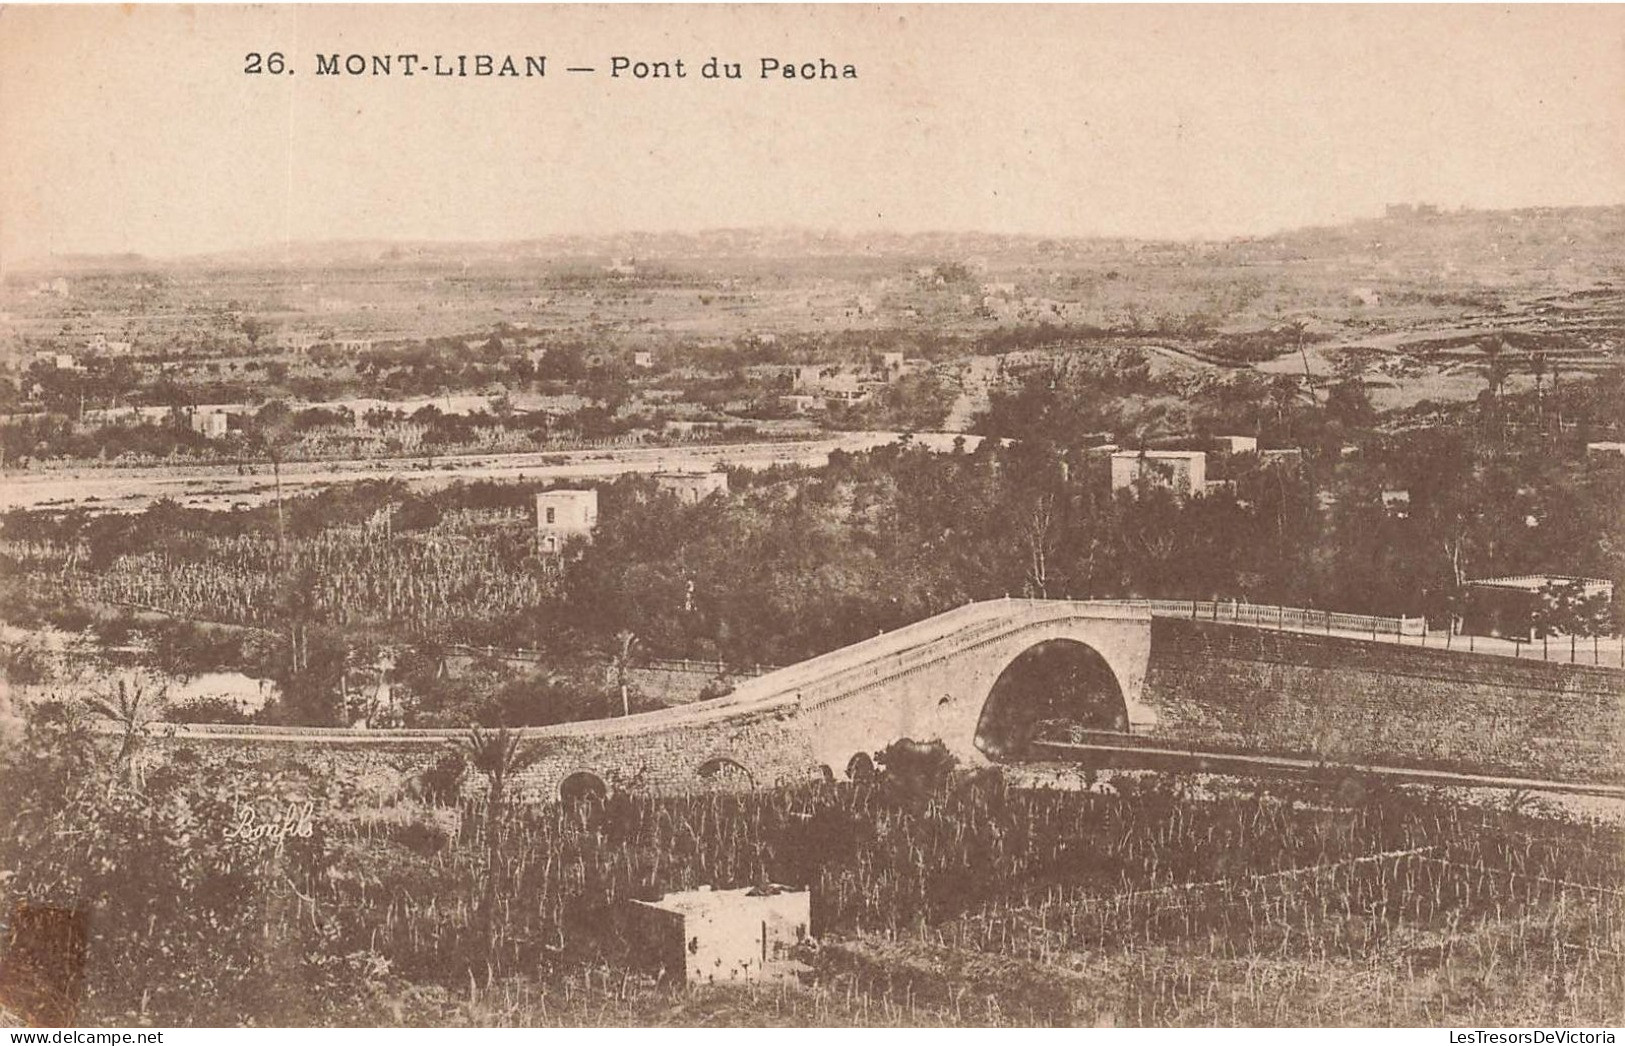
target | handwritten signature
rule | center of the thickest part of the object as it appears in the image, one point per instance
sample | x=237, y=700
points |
x=296, y=821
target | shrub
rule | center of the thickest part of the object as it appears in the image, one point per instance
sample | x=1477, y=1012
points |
x=442, y=783
x=208, y=710
x=916, y=766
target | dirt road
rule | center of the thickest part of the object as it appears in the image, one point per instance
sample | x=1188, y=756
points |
x=221, y=487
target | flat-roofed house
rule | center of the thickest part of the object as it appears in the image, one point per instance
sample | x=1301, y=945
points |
x=1526, y=606
x=1236, y=444
x=1182, y=471
x=707, y=936
x=563, y=514
x=209, y=423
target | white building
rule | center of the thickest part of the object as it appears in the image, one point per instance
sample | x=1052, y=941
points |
x=563, y=514
x=1236, y=444
x=1182, y=471
x=101, y=346
x=833, y=382
x=705, y=936
x=211, y=424
x=58, y=360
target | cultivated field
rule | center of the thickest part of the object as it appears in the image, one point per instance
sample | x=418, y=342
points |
x=957, y=900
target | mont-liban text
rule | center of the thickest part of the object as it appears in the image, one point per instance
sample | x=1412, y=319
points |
x=539, y=66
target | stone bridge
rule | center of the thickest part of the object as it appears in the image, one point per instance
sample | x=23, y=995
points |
x=983, y=679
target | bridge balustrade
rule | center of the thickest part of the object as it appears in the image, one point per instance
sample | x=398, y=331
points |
x=1410, y=631
x=1268, y=615
x=996, y=619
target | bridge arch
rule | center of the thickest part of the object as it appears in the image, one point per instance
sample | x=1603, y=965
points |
x=1055, y=681
x=727, y=773
x=583, y=786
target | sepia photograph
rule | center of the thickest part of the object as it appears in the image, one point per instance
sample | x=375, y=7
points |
x=791, y=515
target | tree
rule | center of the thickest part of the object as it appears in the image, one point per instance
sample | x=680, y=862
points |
x=1283, y=395
x=1537, y=367
x=269, y=431
x=623, y=656
x=254, y=329
x=1566, y=609
x=131, y=705
x=1495, y=376
x=1298, y=330
x=1348, y=403
x=497, y=756
x=1037, y=535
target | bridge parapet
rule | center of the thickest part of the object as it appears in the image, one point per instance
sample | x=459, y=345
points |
x=1267, y=615
x=1601, y=652
x=996, y=620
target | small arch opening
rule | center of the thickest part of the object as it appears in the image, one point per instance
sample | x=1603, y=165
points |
x=722, y=771
x=583, y=786
x=861, y=767
x=1051, y=691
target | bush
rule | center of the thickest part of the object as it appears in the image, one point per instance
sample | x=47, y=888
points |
x=24, y=664
x=424, y=838
x=916, y=766
x=208, y=710
x=175, y=901
x=442, y=783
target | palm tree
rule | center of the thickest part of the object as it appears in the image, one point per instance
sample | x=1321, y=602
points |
x=1537, y=366
x=497, y=756
x=1495, y=376
x=132, y=706
x=1283, y=393
x=1299, y=328
x=1557, y=391
x=268, y=432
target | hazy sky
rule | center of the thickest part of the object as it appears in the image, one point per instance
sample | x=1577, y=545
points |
x=135, y=128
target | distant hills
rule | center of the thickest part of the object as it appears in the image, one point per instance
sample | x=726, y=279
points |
x=1538, y=231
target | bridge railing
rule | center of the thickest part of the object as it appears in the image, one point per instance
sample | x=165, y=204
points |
x=535, y=655
x=993, y=619
x=1297, y=619
x=843, y=681
x=897, y=642
x=1597, y=651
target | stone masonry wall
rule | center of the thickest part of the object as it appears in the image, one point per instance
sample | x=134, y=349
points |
x=768, y=748
x=1287, y=693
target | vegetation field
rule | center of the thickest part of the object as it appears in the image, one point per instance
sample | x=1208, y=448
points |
x=939, y=897
x=1382, y=426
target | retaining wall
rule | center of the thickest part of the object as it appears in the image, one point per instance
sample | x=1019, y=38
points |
x=1288, y=693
